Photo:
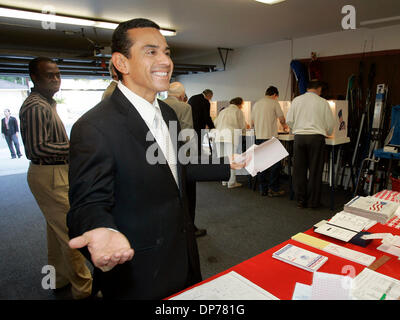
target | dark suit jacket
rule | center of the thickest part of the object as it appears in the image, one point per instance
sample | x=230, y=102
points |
x=112, y=185
x=201, y=112
x=12, y=126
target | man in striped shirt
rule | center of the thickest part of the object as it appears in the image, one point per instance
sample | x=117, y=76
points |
x=47, y=146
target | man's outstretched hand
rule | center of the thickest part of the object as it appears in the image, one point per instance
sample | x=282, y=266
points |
x=107, y=247
x=239, y=161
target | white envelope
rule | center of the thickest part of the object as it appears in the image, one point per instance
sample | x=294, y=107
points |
x=263, y=156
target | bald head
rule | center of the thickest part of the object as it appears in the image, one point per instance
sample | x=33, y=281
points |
x=176, y=89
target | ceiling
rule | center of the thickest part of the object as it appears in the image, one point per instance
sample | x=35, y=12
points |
x=202, y=26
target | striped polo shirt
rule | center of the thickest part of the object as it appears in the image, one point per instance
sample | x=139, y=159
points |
x=42, y=130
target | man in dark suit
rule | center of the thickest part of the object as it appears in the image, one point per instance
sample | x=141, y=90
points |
x=200, y=104
x=9, y=129
x=128, y=213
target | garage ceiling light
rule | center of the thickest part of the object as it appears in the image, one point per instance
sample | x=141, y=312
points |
x=36, y=16
x=270, y=1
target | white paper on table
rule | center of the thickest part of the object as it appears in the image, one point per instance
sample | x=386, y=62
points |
x=263, y=156
x=388, y=248
x=327, y=286
x=301, y=292
x=349, y=221
x=349, y=254
x=393, y=241
x=370, y=224
x=336, y=232
x=383, y=236
x=230, y=286
x=371, y=285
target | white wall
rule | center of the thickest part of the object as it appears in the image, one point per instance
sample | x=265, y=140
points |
x=251, y=70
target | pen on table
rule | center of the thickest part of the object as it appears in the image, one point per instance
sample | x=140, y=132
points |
x=386, y=292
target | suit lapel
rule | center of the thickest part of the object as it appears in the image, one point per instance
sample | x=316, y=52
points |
x=139, y=129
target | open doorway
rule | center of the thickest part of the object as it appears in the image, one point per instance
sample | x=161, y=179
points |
x=76, y=96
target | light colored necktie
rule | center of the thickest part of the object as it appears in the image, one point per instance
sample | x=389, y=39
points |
x=164, y=141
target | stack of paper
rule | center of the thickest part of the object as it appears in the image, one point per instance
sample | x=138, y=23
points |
x=230, y=286
x=388, y=195
x=371, y=208
x=343, y=226
x=300, y=257
x=367, y=285
x=390, y=243
x=371, y=285
x=325, y=286
x=334, y=249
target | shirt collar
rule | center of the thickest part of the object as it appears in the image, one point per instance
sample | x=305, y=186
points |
x=51, y=101
x=146, y=109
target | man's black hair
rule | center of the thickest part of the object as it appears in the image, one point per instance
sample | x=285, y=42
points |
x=34, y=64
x=120, y=41
x=236, y=101
x=271, y=91
x=315, y=84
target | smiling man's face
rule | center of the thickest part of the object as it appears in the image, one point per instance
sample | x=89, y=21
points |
x=149, y=65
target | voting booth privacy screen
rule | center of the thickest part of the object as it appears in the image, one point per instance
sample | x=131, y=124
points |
x=339, y=110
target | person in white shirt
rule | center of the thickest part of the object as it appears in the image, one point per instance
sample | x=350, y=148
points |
x=230, y=125
x=310, y=119
x=264, y=116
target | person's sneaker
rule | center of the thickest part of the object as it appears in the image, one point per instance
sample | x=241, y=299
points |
x=235, y=185
x=272, y=193
x=224, y=183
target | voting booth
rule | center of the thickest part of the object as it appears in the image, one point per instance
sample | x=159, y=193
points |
x=340, y=112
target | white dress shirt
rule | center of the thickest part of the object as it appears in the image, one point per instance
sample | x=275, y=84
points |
x=310, y=114
x=151, y=114
x=264, y=114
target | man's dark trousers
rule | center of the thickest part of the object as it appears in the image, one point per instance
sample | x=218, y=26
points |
x=308, y=156
x=10, y=140
x=274, y=173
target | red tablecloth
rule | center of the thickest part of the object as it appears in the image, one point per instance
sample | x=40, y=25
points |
x=279, y=278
